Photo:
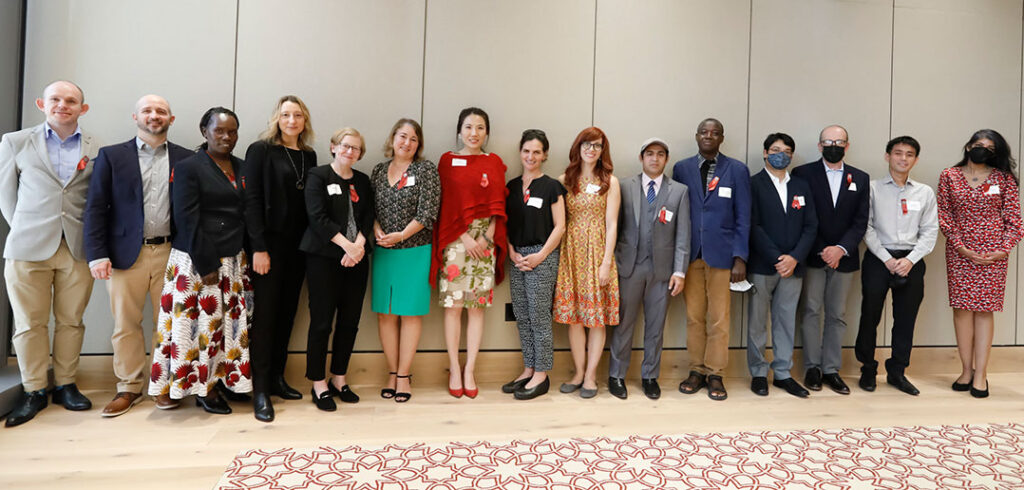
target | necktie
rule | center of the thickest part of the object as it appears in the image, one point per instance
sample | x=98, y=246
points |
x=650, y=192
x=704, y=169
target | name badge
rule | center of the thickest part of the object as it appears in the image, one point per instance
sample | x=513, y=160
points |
x=665, y=216
x=592, y=189
x=725, y=192
x=535, y=202
x=800, y=199
x=458, y=162
x=992, y=190
x=410, y=180
x=913, y=205
x=333, y=190
x=853, y=187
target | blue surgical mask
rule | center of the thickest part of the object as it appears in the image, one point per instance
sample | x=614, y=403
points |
x=778, y=160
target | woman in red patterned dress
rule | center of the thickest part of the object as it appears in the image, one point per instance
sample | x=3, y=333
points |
x=979, y=212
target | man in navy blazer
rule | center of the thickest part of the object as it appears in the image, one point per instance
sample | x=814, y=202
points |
x=783, y=225
x=128, y=237
x=719, y=238
x=841, y=199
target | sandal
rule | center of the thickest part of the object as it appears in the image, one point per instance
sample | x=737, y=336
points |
x=693, y=383
x=401, y=396
x=716, y=389
x=389, y=393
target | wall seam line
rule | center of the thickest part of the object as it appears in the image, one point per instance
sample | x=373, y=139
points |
x=593, y=71
x=234, y=72
x=423, y=66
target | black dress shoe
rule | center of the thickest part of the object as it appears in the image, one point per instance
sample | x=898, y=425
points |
x=867, y=381
x=791, y=387
x=617, y=387
x=759, y=385
x=231, y=395
x=976, y=393
x=524, y=393
x=345, y=394
x=651, y=388
x=30, y=404
x=262, y=408
x=280, y=388
x=213, y=403
x=903, y=384
x=813, y=379
x=324, y=402
x=72, y=399
x=836, y=383
x=514, y=385
x=963, y=386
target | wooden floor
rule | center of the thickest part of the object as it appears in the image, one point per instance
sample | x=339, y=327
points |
x=189, y=449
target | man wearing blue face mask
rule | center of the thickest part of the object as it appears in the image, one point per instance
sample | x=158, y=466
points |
x=783, y=225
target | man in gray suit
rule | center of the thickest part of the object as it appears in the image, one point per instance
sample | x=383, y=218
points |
x=652, y=253
x=44, y=177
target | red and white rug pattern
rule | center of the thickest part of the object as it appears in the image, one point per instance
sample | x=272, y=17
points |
x=968, y=457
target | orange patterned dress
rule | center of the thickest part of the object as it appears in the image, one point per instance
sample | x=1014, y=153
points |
x=578, y=297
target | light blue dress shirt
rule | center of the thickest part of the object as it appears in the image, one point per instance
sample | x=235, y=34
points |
x=64, y=154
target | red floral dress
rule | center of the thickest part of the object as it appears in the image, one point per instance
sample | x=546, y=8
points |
x=983, y=219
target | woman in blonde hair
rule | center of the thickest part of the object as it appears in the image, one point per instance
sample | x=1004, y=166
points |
x=274, y=177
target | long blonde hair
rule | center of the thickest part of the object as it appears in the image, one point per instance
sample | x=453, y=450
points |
x=272, y=134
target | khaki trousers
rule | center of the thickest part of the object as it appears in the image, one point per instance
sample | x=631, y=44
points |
x=707, y=296
x=34, y=286
x=128, y=288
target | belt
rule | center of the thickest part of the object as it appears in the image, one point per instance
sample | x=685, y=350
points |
x=156, y=240
x=898, y=254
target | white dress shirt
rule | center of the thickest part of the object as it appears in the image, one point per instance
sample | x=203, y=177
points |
x=892, y=228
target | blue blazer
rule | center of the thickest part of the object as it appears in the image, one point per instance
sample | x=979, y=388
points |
x=775, y=231
x=113, y=209
x=843, y=223
x=719, y=219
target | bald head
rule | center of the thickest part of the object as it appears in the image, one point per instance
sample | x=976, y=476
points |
x=153, y=117
x=833, y=132
x=62, y=103
x=66, y=85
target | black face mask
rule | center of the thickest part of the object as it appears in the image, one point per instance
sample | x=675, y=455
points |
x=833, y=154
x=980, y=154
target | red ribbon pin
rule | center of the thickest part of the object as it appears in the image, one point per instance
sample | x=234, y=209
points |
x=352, y=195
x=903, y=204
x=483, y=181
x=849, y=178
x=713, y=184
x=661, y=216
x=171, y=180
x=83, y=162
x=526, y=196
x=403, y=180
x=796, y=203
x=985, y=187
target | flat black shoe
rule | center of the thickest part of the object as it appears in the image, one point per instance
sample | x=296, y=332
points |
x=72, y=399
x=324, y=401
x=812, y=380
x=231, y=395
x=976, y=393
x=280, y=388
x=30, y=404
x=963, y=386
x=213, y=404
x=903, y=384
x=617, y=387
x=514, y=385
x=524, y=393
x=262, y=409
x=867, y=381
x=651, y=388
x=836, y=383
x=791, y=387
x=759, y=385
x=716, y=388
x=345, y=394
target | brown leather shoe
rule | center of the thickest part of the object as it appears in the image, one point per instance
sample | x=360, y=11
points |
x=122, y=402
x=165, y=402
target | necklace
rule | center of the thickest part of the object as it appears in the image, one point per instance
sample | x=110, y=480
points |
x=299, y=172
x=975, y=176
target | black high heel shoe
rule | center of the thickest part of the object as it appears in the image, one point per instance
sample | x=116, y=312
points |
x=279, y=387
x=323, y=401
x=402, y=396
x=213, y=403
x=389, y=393
x=345, y=394
x=231, y=395
x=976, y=393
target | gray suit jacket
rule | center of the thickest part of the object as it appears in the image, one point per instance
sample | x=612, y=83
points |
x=671, y=250
x=34, y=201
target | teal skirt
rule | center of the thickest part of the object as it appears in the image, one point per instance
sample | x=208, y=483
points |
x=400, y=284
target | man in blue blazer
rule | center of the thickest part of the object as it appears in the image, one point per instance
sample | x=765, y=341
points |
x=841, y=199
x=783, y=225
x=719, y=189
x=128, y=237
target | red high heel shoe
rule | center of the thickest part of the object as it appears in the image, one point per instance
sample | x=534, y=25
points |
x=455, y=392
x=472, y=393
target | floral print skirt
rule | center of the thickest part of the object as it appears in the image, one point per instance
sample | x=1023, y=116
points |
x=202, y=333
x=463, y=280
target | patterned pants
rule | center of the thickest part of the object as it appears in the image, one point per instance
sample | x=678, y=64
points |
x=532, y=293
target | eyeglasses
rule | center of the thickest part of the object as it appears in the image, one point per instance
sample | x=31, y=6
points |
x=347, y=147
x=833, y=142
x=776, y=149
x=586, y=145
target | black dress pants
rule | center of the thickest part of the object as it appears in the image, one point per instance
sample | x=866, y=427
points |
x=277, y=299
x=335, y=295
x=906, y=299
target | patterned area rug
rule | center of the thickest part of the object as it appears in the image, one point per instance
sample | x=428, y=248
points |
x=969, y=457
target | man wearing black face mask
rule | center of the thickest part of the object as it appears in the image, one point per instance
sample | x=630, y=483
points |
x=783, y=225
x=841, y=198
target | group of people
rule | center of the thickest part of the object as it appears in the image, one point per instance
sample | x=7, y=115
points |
x=222, y=245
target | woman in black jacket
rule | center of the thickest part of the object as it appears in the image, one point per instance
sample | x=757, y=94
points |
x=339, y=202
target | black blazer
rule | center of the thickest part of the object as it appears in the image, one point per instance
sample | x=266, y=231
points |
x=209, y=212
x=774, y=231
x=266, y=199
x=843, y=223
x=328, y=213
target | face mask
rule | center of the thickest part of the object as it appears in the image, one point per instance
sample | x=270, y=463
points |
x=980, y=154
x=778, y=160
x=833, y=154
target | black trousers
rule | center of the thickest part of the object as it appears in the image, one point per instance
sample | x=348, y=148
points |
x=335, y=295
x=906, y=299
x=276, y=301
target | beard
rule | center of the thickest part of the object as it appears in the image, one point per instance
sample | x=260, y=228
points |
x=156, y=132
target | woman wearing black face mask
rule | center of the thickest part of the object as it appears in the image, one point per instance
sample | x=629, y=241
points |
x=979, y=212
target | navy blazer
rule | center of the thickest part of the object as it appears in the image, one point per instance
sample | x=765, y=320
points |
x=843, y=223
x=209, y=211
x=775, y=231
x=719, y=219
x=113, y=210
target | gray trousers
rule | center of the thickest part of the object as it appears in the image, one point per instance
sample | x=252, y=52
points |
x=824, y=289
x=782, y=294
x=638, y=289
x=532, y=294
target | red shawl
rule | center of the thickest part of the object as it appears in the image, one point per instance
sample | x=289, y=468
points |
x=464, y=198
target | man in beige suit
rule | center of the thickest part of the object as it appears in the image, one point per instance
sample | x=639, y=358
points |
x=44, y=177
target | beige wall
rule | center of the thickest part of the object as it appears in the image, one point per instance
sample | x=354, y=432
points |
x=934, y=69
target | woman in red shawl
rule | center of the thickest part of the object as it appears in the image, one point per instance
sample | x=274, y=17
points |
x=468, y=255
